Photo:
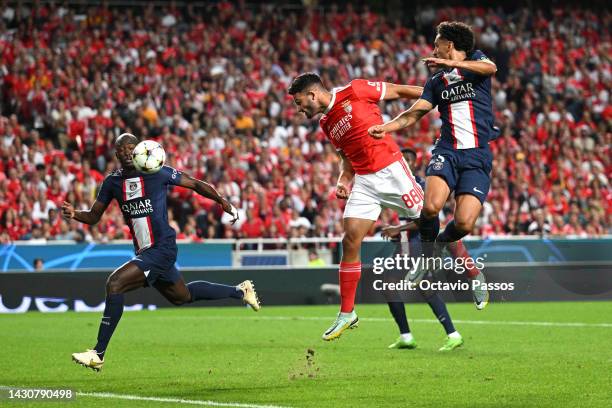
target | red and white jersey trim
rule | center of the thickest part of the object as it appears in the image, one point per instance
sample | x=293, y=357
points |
x=384, y=91
x=333, y=99
x=143, y=233
x=463, y=127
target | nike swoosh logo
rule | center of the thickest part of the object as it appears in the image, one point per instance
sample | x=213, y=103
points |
x=331, y=329
x=478, y=191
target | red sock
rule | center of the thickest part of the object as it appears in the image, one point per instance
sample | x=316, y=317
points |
x=458, y=250
x=349, y=276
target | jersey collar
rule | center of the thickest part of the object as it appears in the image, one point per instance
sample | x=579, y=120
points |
x=331, y=103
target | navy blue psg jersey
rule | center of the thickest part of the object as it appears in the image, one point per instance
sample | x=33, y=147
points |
x=142, y=199
x=420, y=180
x=464, y=101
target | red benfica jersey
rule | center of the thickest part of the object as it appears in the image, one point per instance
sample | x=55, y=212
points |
x=352, y=111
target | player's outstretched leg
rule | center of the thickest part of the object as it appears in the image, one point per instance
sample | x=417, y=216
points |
x=479, y=290
x=126, y=278
x=355, y=229
x=179, y=293
x=438, y=307
x=405, y=339
x=468, y=209
x=436, y=193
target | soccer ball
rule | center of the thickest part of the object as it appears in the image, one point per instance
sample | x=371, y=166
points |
x=148, y=156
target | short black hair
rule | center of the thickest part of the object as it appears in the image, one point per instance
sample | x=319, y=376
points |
x=125, y=138
x=304, y=81
x=459, y=33
x=409, y=151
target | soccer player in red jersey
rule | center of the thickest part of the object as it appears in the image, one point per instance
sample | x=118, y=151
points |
x=382, y=177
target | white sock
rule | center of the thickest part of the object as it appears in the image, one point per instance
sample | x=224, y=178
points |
x=407, y=336
x=349, y=314
x=454, y=335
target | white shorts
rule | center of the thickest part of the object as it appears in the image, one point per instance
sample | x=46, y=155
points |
x=393, y=187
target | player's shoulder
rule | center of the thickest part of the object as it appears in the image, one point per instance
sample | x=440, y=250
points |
x=362, y=83
x=478, y=55
x=357, y=82
x=169, y=172
x=114, y=175
x=347, y=87
x=436, y=76
x=168, y=169
x=360, y=88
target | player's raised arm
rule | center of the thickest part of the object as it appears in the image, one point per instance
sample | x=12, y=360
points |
x=396, y=91
x=484, y=67
x=91, y=216
x=392, y=231
x=407, y=118
x=206, y=190
x=347, y=173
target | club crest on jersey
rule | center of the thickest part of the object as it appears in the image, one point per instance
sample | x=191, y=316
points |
x=348, y=108
x=133, y=188
x=437, y=162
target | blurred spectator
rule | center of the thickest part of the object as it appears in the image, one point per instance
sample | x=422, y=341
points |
x=38, y=264
x=314, y=260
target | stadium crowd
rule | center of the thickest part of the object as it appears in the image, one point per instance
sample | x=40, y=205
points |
x=210, y=85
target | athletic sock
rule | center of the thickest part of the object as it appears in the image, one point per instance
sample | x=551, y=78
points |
x=399, y=315
x=407, y=337
x=438, y=306
x=450, y=233
x=110, y=319
x=348, y=275
x=458, y=250
x=454, y=335
x=203, y=290
x=428, y=228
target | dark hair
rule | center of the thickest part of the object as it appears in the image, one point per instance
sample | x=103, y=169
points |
x=304, y=81
x=459, y=33
x=126, y=138
x=410, y=151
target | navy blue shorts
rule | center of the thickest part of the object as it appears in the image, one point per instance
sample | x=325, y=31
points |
x=466, y=171
x=158, y=262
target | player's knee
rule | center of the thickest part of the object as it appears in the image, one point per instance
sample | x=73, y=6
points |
x=179, y=301
x=113, y=285
x=465, y=225
x=350, y=243
x=431, y=209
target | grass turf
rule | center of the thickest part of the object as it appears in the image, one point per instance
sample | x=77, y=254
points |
x=235, y=355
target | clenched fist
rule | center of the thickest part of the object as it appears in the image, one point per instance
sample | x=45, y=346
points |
x=67, y=210
x=377, y=132
x=342, y=192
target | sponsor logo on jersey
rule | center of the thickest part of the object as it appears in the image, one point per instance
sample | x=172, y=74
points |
x=137, y=208
x=459, y=92
x=341, y=127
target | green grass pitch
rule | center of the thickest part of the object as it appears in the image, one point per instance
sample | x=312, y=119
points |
x=236, y=356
